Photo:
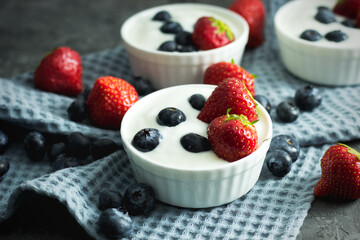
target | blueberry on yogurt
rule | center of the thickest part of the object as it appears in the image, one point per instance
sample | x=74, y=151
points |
x=195, y=143
x=146, y=139
x=336, y=36
x=183, y=38
x=197, y=101
x=168, y=46
x=311, y=35
x=349, y=23
x=170, y=117
x=162, y=16
x=171, y=27
x=325, y=15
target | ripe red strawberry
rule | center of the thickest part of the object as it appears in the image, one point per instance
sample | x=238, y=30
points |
x=109, y=100
x=347, y=8
x=210, y=33
x=60, y=71
x=232, y=137
x=358, y=20
x=253, y=11
x=340, y=173
x=217, y=72
x=230, y=93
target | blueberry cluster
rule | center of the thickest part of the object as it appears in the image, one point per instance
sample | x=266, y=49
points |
x=306, y=99
x=148, y=139
x=4, y=161
x=72, y=150
x=326, y=16
x=114, y=220
x=78, y=110
x=283, y=151
x=182, y=41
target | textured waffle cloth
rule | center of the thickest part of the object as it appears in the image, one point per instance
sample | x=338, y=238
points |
x=273, y=209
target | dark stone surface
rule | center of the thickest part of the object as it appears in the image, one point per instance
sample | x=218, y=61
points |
x=31, y=28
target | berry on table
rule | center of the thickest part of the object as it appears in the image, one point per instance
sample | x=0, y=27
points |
x=78, y=145
x=55, y=150
x=103, y=147
x=143, y=86
x=195, y=143
x=307, y=98
x=115, y=224
x=146, y=139
x=139, y=198
x=287, y=112
x=110, y=199
x=264, y=101
x=197, y=101
x=286, y=143
x=63, y=160
x=278, y=162
x=311, y=35
x=4, y=141
x=35, y=145
x=78, y=110
x=4, y=165
x=336, y=36
x=170, y=117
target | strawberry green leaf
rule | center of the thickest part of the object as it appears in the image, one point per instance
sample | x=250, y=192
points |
x=222, y=27
x=351, y=150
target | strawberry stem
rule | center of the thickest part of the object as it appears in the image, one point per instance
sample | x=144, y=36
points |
x=244, y=120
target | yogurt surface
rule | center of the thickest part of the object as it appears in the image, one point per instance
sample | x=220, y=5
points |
x=143, y=32
x=170, y=152
x=300, y=16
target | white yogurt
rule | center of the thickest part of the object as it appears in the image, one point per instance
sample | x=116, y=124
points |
x=301, y=16
x=145, y=33
x=170, y=152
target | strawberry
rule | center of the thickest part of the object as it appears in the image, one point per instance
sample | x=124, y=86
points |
x=347, y=8
x=253, y=11
x=60, y=72
x=210, y=33
x=230, y=93
x=340, y=173
x=358, y=20
x=109, y=100
x=217, y=72
x=232, y=137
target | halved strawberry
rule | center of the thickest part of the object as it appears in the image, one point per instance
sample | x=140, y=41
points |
x=217, y=72
x=210, y=33
x=109, y=100
x=230, y=93
x=340, y=173
x=232, y=136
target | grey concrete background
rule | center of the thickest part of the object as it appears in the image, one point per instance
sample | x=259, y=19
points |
x=30, y=28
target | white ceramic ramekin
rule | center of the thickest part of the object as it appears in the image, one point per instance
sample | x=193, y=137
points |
x=322, y=62
x=193, y=186
x=166, y=69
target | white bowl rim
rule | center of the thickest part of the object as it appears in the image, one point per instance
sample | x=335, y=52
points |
x=297, y=39
x=263, y=147
x=241, y=38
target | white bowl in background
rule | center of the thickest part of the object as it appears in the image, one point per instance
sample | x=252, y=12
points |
x=141, y=37
x=322, y=62
x=181, y=178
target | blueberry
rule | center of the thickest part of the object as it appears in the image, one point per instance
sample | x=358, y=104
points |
x=325, y=15
x=78, y=145
x=63, y=160
x=311, y=35
x=197, y=101
x=115, y=224
x=102, y=147
x=171, y=27
x=109, y=199
x=278, y=162
x=183, y=38
x=35, y=146
x=287, y=144
x=4, y=142
x=139, y=198
x=168, y=46
x=195, y=143
x=170, y=117
x=4, y=165
x=307, y=98
x=187, y=48
x=78, y=110
x=55, y=150
x=146, y=139
x=349, y=23
x=336, y=36
x=86, y=91
x=287, y=112
x=264, y=101
x=142, y=85
x=162, y=16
